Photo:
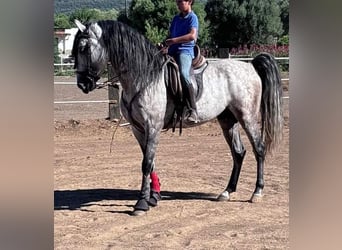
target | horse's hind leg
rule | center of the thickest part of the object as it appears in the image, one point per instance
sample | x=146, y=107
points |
x=230, y=128
x=254, y=135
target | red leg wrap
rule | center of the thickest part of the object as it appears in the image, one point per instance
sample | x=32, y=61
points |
x=155, y=185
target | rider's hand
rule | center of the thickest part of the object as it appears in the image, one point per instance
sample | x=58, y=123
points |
x=164, y=50
x=168, y=42
x=163, y=47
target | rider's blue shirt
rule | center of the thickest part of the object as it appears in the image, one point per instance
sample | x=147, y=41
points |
x=181, y=26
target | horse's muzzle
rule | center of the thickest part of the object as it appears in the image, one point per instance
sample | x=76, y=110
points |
x=86, y=83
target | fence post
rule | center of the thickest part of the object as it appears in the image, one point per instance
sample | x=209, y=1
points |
x=223, y=52
x=113, y=97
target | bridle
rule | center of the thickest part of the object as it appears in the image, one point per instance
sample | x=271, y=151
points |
x=89, y=72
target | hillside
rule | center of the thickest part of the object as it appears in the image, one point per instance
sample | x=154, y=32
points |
x=67, y=6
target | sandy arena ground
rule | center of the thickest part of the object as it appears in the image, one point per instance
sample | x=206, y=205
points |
x=95, y=190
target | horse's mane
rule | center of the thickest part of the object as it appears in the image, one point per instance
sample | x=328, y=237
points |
x=131, y=52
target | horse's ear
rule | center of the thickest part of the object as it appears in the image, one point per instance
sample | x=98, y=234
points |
x=80, y=26
x=97, y=30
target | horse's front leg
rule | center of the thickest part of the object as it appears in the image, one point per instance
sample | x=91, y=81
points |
x=150, y=189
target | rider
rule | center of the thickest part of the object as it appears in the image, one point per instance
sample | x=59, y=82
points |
x=183, y=34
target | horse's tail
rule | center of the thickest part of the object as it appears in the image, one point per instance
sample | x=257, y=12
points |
x=271, y=102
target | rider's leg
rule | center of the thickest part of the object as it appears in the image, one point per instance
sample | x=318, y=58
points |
x=184, y=63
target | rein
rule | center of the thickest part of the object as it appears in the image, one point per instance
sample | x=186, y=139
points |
x=112, y=81
x=114, y=132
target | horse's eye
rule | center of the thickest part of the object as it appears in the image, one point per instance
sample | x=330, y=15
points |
x=83, y=45
x=81, y=49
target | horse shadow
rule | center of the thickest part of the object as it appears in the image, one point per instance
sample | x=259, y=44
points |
x=80, y=199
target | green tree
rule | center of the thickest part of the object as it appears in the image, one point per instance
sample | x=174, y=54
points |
x=56, y=58
x=153, y=17
x=236, y=22
x=140, y=12
x=284, y=15
x=106, y=14
x=84, y=15
x=263, y=22
x=122, y=17
x=226, y=19
x=61, y=21
x=203, y=34
x=66, y=21
x=154, y=34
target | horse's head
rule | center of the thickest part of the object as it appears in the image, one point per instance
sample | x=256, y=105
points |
x=90, y=55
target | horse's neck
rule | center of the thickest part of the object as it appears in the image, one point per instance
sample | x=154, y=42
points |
x=129, y=90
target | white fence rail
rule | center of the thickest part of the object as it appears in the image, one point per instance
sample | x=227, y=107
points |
x=103, y=101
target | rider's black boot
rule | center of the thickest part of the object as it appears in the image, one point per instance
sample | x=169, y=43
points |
x=191, y=103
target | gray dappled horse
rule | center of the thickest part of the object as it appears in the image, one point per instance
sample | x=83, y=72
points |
x=233, y=92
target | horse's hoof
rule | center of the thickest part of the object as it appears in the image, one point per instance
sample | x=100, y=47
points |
x=139, y=212
x=256, y=198
x=141, y=205
x=154, y=198
x=224, y=196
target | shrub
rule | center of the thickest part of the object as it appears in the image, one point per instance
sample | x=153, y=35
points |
x=284, y=40
x=253, y=50
x=275, y=50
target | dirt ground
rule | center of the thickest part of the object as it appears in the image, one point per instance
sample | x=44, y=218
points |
x=95, y=190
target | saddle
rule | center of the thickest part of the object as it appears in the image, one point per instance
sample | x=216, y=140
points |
x=172, y=75
x=174, y=84
x=199, y=59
